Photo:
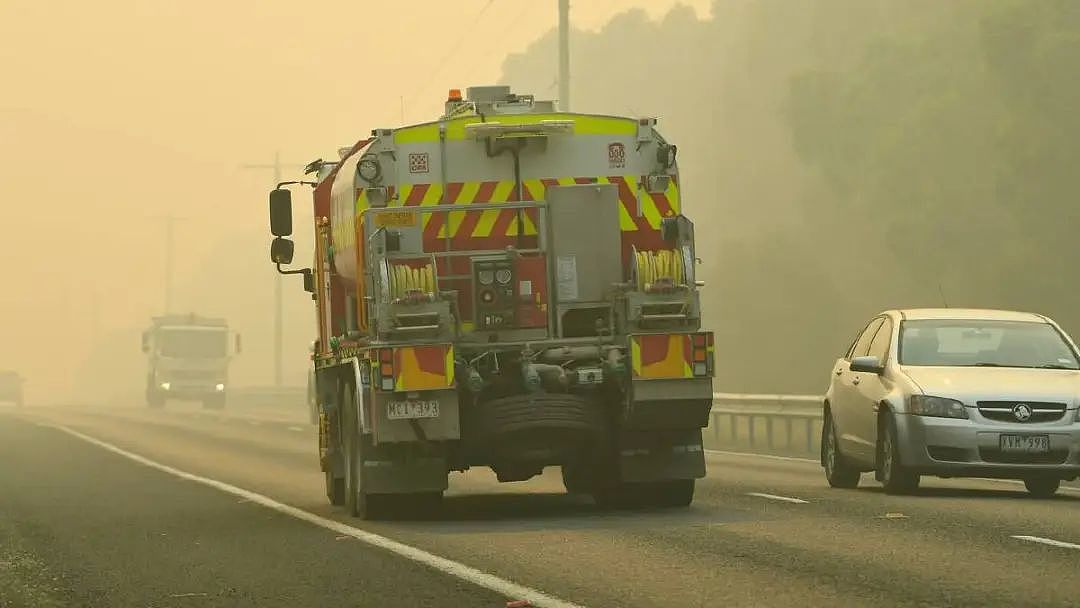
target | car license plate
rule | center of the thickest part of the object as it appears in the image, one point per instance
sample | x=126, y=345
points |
x=1025, y=444
x=410, y=408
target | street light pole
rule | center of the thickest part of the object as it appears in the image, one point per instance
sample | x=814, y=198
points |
x=170, y=244
x=564, y=55
x=276, y=167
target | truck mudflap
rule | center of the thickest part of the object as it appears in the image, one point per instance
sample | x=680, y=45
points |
x=682, y=403
x=392, y=474
x=652, y=456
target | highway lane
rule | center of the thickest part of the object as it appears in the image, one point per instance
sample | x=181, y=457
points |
x=80, y=526
x=741, y=542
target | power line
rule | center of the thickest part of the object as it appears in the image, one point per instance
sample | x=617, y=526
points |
x=467, y=32
x=276, y=167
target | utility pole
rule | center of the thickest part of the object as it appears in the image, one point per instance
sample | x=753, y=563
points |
x=276, y=167
x=170, y=244
x=564, y=55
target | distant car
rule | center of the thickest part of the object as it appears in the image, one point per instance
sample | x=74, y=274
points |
x=11, y=387
x=954, y=393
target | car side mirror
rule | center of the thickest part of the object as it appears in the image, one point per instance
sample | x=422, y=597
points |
x=281, y=251
x=868, y=364
x=238, y=345
x=281, y=212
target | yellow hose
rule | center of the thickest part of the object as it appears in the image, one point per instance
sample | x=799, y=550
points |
x=404, y=279
x=653, y=266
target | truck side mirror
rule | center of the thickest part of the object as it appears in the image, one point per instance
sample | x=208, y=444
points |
x=309, y=282
x=237, y=345
x=281, y=251
x=280, y=212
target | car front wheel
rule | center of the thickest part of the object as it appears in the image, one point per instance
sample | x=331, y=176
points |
x=896, y=478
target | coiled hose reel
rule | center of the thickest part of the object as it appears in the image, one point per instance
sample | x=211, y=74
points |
x=665, y=267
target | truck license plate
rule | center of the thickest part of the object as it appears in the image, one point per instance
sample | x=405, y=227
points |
x=1025, y=444
x=411, y=408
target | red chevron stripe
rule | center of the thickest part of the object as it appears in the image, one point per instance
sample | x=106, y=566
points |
x=416, y=195
x=438, y=220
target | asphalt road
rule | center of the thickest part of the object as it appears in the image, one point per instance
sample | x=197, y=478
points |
x=83, y=525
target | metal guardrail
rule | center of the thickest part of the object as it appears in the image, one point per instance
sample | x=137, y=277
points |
x=269, y=396
x=790, y=411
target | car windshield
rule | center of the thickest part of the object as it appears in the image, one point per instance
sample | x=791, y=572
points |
x=975, y=343
x=196, y=343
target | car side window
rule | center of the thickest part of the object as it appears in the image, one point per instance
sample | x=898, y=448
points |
x=879, y=346
x=862, y=345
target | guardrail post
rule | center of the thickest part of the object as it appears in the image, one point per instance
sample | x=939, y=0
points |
x=734, y=424
x=787, y=425
x=750, y=424
x=810, y=435
x=716, y=426
x=768, y=431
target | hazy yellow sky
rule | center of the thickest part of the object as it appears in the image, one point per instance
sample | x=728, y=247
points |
x=116, y=113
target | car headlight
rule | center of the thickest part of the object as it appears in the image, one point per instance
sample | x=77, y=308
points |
x=925, y=405
x=165, y=386
x=219, y=387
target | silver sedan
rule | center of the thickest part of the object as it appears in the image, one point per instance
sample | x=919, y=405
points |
x=954, y=393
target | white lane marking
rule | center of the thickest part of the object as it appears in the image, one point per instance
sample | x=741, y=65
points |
x=1066, y=489
x=296, y=429
x=1048, y=541
x=1017, y=482
x=798, y=501
x=766, y=456
x=447, y=566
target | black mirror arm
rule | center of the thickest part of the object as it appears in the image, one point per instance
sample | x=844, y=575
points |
x=304, y=271
x=297, y=182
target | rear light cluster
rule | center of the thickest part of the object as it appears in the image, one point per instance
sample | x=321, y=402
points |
x=386, y=369
x=702, y=344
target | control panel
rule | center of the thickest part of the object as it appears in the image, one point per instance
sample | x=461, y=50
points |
x=494, y=292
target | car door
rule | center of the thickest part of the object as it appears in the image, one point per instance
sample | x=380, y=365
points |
x=869, y=390
x=843, y=397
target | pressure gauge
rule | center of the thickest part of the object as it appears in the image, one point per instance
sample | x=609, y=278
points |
x=503, y=276
x=486, y=277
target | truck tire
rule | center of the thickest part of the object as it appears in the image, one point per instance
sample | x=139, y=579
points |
x=335, y=489
x=358, y=502
x=620, y=495
x=673, y=493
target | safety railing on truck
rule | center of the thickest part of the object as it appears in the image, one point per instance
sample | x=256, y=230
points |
x=774, y=423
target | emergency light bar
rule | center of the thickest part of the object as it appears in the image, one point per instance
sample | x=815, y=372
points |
x=497, y=129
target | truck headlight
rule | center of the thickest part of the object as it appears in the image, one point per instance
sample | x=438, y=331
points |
x=165, y=386
x=940, y=407
x=219, y=387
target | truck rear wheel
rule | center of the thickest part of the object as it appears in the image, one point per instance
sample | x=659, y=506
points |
x=670, y=494
x=335, y=489
x=357, y=501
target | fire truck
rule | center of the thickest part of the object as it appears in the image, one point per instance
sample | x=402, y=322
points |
x=508, y=286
